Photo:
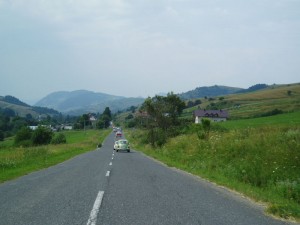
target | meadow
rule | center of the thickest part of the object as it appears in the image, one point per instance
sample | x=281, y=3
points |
x=258, y=157
x=285, y=98
x=18, y=161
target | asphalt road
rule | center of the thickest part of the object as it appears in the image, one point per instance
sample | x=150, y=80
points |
x=103, y=187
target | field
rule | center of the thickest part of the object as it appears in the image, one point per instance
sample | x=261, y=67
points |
x=259, y=158
x=285, y=98
x=15, y=162
x=286, y=119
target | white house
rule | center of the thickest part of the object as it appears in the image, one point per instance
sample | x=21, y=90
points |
x=214, y=115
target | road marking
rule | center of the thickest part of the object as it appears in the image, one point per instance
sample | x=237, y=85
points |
x=94, y=213
x=110, y=163
x=107, y=173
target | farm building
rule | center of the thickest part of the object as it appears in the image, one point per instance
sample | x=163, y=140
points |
x=214, y=115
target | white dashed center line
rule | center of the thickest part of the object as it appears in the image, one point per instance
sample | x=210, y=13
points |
x=94, y=213
x=107, y=173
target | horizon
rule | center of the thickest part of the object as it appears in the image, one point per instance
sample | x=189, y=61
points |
x=161, y=93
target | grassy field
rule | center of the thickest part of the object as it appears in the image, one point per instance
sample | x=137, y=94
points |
x=15, y=162
x=286, y=119
x=257, y=157
x=248, y=105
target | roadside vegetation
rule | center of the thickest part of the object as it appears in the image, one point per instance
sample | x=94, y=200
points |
x=262, y=162
x=256, y=152
x=18, y=160
x=24, y=149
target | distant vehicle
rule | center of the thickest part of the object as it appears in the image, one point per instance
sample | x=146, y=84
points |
x=122, y=144
x=118, y=134
x=115, y=129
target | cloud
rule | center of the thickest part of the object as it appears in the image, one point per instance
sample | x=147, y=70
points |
x=156, y=44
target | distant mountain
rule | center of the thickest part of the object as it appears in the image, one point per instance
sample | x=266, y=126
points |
x=13, y=100
x=211, y=91
x=22, y=109
x=83, y=101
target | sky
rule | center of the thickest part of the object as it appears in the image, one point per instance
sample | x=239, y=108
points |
x=137, y=48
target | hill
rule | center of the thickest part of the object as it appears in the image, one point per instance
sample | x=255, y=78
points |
x=274, y=99
x=216, y=90
x=82, y=101
x=22, y=109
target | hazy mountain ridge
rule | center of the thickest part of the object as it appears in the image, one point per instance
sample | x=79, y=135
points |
x=22, y=109
x=218, y=90
x=13, y=100
x=83, y=101
x=210, y=91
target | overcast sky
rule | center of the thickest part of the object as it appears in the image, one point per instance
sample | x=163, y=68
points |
x=143, y=47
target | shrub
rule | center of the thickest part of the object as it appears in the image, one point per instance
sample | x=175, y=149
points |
x=59, y=139
x=156, y=137
x=23, y=137
x=42, y=136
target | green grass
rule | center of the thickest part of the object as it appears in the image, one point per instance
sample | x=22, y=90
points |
x=259, y=158
x=278, y=120
x=253, y=104
x=18, y=161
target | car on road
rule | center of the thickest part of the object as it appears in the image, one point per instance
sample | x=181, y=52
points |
x=122, y=144
x=118, y=134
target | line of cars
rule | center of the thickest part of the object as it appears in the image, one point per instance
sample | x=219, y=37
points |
x=121, y=144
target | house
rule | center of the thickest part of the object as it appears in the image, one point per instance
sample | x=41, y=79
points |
x=67, y=127
x=93, y=120
x=33, y=127
x=214, y=115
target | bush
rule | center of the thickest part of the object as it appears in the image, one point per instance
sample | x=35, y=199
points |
x=59, y=139
x=23, y=137
x=270, y=113
x=42, y=136
x=156, y=137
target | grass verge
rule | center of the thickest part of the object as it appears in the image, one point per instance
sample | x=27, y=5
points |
x=262, y=162
x=16, y=162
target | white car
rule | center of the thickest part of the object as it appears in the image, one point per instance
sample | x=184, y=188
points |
x=122, y=144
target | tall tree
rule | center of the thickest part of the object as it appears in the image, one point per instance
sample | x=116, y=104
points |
x=164, y=110
x=104, y=119
x=107, y=112
x=162, y=115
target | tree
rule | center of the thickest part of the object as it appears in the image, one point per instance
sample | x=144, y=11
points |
x=198, y=102
x=163, y=113
x=104, y=119
x=82, y=122
x=9, y=112
x=107, y=112
x=190, y=104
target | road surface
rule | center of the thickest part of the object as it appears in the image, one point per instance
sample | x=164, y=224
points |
x=105, y=187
